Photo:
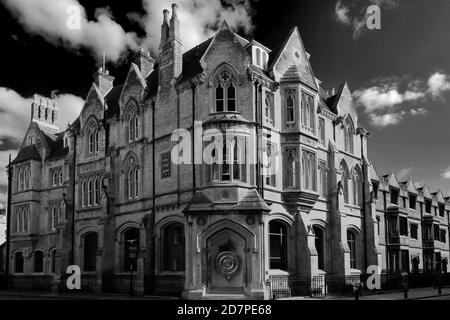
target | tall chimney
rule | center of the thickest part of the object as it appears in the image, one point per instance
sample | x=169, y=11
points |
x=174, y=32
x=165, y=28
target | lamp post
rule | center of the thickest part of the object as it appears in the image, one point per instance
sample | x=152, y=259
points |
x=132, y=256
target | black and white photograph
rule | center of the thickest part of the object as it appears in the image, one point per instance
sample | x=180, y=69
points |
x=233, y=157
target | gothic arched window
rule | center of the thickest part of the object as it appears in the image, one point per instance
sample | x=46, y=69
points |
x=290, y=112
x=291, y=168
x=84, y=193
x=132, y=178
x=173, y=250
x=320, y=246
x=344, y=180
x=38, y=261
x=92, y=133
x=225, y=94
x=130, y=240
x=309, y=170
x=90, y=244
x=18, y=262
x=357, y=187
x=132, y=120
x=351, y=242
x=278, y=246
x=349, y=133
x=308, y=114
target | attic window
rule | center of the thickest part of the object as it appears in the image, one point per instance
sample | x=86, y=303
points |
x=394, y=196
x=297, y=54
x=412, y=201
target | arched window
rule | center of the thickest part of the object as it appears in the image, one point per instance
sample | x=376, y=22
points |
x=19, y=221
x=225, y=91
x=357, y=187
x=173, y=249
x=60, y=177
x=290, y=112
x=323, y=179
x=55, y=178
x=132, y=183
x=90, y=244
x=278, y=245
x=226, y=160
x=308, y=114
x=53, y=261
x=220, y=103
x=321, y=129
x=20, y=184
x=349, y=133
x=38, y=261
x=84, y=193
x=92, y=133
x=351, y=241
x=320, y=246
x=236, y=160
x=54, y=217
x=344, y=180
x=231, y=95
x=131, y=248
x=46, y=113
x=26, y=178
x=309, y=170
x=258, y=57
x=291, y=168
x=97, y=191
x=18, y=262
x=264, y=60
x=90, y=191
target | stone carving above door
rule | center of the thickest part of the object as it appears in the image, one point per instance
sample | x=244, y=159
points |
x=227, y=261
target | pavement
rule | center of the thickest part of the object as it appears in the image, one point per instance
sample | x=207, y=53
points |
x=45, y=295
x=413, y=294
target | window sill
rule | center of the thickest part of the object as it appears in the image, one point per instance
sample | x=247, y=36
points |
x=223, y=112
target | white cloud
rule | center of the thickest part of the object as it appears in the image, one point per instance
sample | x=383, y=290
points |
x=384, y=102
x=438, y=83
x=48, y=18
x=199, y=19
x=352, y=13
x=15, y=111
x=446, y=174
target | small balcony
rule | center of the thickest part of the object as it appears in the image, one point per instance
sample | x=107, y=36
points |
x=395, y=210
x=399, y=240
x=305, y=200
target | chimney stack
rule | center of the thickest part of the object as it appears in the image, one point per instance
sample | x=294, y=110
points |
x=144, y=62
x=165, y=28
x=103, y=80
x=174, y=31
x=332, y=91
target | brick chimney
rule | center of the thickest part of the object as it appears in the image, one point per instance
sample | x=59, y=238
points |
x=171, y=48
x=103, y=80
x=144, y=62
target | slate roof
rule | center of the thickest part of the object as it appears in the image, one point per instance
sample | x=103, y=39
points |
x=112, y=99
x=27, y=153
x=191, y=61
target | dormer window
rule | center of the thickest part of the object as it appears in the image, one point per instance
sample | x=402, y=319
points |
x=260, y=57
x=412, y=201
x=394, y=196
x=225, y=92
x=428, y=205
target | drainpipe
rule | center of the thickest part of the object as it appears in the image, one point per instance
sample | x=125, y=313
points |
x=72, y=258
x=152, y=217
x=193, y=137
x=8, y=221
x=386, y=231
x=260, y=177
x=257, y=171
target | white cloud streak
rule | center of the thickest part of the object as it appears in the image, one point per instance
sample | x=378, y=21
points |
x=199, y=19
x=352, y=13
x=383, y=102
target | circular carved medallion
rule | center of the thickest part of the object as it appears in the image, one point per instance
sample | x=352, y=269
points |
x=227, y=263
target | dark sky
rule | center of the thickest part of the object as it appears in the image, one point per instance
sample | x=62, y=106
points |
x=413, y=44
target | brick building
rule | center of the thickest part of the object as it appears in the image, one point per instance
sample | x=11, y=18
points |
x=296, y=194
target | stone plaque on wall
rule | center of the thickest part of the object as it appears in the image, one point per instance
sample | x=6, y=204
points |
x=166, y=165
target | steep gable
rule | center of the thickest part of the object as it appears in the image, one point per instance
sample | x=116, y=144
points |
x=343, y=103
x=292, y=61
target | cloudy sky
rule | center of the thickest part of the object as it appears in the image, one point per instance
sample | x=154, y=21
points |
x=400, y=75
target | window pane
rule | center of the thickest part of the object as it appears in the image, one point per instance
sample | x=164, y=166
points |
x=131, y=245
x=219, y=99
x=231, y=98
x=173, y=248
x=90, y=251
x=278, y=245
x=38, y=261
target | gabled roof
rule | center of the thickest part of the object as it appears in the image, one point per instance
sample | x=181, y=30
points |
x=112, y=99
x=191, y=61
x=27, y=153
